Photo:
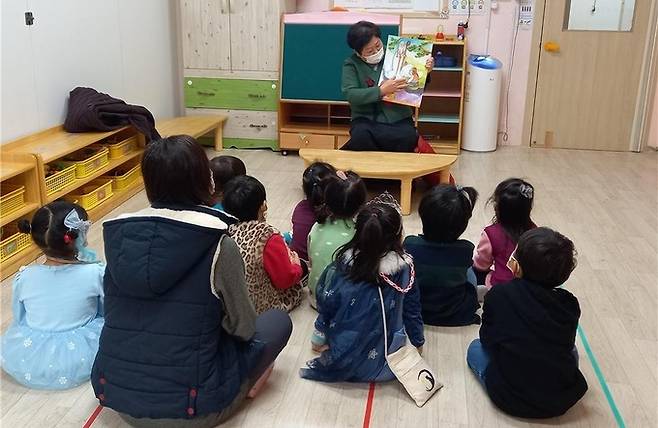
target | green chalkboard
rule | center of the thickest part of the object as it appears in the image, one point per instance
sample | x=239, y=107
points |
x=313, y=56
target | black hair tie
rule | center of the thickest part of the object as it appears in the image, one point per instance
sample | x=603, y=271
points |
x=24, y=226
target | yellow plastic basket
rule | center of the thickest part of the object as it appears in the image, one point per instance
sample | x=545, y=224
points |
x=87, y=166
x=93, y=194
x=60, y=180
x=13, y=198
x=121, y=148
x=123, y=179
x=13, y=241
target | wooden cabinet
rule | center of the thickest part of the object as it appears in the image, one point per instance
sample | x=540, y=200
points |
x=230, y=62
x=301, y=140
x=255, y=35
x=231, y=34
x=205, y=34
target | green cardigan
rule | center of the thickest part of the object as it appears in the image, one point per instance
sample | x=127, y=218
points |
x=364, y=98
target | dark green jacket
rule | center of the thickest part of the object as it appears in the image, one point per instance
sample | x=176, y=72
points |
x=360, y=87
x=446, y=296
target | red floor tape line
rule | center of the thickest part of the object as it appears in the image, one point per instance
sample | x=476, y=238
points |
x=93, y=417
x=371, y=398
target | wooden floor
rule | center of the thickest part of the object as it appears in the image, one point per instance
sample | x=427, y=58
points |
x=606, y=202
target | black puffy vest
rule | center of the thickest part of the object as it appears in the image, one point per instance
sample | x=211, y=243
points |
x=163, y=352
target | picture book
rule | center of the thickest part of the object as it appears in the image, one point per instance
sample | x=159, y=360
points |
x=405, y=59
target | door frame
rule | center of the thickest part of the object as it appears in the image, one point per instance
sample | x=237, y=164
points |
x=646, y=89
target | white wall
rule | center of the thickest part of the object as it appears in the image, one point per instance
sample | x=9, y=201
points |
x=611, y=15
x=125, y=48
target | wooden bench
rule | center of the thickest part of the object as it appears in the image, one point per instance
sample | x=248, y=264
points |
x=195, y=126
x=385, y=165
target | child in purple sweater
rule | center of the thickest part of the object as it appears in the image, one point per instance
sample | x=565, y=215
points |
x=304, y=216
x=512, y=201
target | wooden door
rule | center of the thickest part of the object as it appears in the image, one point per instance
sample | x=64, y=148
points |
x=255, y=35
x=587, y=90
x=205, y=34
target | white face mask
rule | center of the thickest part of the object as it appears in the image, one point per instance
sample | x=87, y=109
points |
x=374, y=58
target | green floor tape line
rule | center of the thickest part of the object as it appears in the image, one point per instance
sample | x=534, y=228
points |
x=602, y=382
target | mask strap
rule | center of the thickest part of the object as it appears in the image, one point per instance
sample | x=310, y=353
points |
x=460, y=189
x=74, y=222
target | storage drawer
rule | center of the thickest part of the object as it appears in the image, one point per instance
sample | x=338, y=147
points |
x=296, y=141
x=237, y=94
x=341, y=140
x=244, y=124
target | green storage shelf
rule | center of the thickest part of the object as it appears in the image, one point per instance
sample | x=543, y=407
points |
x=241, y=143
x=438, y=118
x=238, y=94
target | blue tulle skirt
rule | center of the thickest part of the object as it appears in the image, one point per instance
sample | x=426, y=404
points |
x=50, y=360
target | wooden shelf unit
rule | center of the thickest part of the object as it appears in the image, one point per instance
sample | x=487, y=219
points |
x=20, y=169
x=313, y=124
x=79, y=182
x=51, y=145
x=439, y=118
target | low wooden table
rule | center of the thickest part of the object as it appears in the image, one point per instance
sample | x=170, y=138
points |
x=385, y=165
x=195, y=126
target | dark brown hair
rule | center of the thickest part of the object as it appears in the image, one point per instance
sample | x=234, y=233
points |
x=47, y=229
x=314, y=181
x=445, y=212
x=176, y=171
x=378, y=231
x=243, y=197
x=512, y=202
x=546, y=257
x=343, y=197
x=360, y=34
x=224, y=168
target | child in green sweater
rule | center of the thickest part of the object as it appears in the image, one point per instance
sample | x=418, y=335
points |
x=345, y=194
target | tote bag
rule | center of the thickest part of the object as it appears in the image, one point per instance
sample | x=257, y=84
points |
x=409, y=367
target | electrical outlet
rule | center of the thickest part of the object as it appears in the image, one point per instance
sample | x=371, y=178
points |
x=29, y=18
x=525, y=12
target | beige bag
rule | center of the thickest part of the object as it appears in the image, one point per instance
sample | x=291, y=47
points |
x=410, y=368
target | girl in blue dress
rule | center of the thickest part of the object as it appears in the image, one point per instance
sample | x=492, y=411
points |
x=57, y=305
x=349, y=330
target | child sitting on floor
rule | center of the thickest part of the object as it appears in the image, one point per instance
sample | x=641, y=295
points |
x=57, y=305
x=350, y=320
x=273, y=272
x=512, y=202
x=345, y=194
x=526, y=356
x=224, y=168
x=443, y=261
x=305, y=213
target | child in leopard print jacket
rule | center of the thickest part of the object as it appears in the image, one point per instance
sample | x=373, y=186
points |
x=273, y=271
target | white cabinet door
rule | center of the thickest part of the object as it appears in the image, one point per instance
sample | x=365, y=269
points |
x=255, y=35
x=205, y=34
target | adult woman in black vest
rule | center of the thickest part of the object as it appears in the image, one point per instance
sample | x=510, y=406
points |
x=181, y=343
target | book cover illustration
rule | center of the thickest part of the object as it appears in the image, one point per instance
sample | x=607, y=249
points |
x=405, y=59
